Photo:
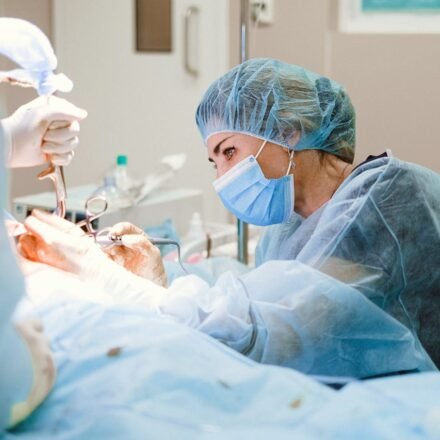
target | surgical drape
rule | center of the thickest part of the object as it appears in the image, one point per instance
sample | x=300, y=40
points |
x=16, y=364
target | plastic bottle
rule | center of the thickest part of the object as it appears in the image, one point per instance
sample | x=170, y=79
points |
x=116, y=198
x=123, y=181
x=196, y=230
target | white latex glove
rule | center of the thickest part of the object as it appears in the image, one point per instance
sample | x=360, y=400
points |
x=31, y=332
x=137, y=254
x=60, y=243
x=41, y=130
x=14, y=228
x=57, y=242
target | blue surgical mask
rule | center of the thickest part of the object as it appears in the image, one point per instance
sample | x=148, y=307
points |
x=252, y=197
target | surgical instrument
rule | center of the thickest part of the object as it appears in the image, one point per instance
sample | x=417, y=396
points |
x=95, y=207
x=56, y=174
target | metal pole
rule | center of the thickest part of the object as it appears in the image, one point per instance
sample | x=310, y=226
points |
x=242, y=227
x=244, y=36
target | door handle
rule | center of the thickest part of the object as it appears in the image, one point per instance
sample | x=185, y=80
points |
x=190, y=12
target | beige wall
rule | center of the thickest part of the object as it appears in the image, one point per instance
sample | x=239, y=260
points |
x=141, y=104
x=23, y=181
x=393, y=80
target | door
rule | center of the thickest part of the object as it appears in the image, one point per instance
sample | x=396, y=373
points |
x=141, y=103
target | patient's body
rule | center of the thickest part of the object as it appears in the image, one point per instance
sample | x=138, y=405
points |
x=46, y=283
x=148, y=374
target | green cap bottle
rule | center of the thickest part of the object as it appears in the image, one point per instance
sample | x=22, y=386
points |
x=121, y=159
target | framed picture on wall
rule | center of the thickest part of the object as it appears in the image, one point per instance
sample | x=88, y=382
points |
x=389, y=16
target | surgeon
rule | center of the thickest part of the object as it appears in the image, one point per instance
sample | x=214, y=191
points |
x=347, y=281
x=27, y=370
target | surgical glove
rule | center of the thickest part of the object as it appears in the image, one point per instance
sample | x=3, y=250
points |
x=59, y=243
x=41, y=130
x=43, y=365
x=137, y=254
x=14, y=228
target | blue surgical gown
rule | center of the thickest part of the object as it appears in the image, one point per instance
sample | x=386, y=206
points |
x=380, y=234
x=353, y=290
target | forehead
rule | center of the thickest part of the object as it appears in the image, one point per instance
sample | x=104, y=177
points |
x=218, y=138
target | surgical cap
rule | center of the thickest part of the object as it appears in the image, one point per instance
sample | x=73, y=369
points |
x=277, y=102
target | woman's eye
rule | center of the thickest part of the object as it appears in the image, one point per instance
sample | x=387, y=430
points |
x=229, y=152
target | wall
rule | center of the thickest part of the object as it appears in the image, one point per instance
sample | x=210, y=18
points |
x=23, y=181
x=139, y=104
x=393, y=80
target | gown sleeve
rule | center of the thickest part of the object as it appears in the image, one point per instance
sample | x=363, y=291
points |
x=286, y=313
x=15, y=361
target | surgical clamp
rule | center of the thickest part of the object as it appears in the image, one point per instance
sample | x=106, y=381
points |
x=103, y=238
x=56, y=174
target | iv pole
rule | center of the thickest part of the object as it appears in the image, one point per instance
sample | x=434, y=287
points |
x=242, y=227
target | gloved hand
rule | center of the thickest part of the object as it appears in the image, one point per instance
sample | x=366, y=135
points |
x=59, y=243
x=41, y=130
x=137, y=254
x=14, y=228
x=31, y=332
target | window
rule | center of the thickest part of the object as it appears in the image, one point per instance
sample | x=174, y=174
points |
x=389, y=16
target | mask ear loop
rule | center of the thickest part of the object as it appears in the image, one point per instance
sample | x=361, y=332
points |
x=292, y=164
x=261, y=149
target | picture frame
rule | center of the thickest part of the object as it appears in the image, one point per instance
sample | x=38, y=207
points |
x=389, y=16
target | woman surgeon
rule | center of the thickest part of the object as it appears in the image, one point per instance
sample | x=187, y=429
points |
x=347, y=280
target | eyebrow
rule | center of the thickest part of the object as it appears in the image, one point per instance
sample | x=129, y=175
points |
x=217, y=147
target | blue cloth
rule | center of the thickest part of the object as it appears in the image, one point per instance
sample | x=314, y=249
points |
x=208, y=269
x=124, y=373
x=289, y=314
x=280, y=103
x=380, y=234
x=402, y=407
x=16, y=365
x=164, y=230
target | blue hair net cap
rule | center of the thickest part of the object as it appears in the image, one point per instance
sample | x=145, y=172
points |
x=281, y=103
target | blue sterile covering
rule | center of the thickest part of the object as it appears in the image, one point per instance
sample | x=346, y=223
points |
x=380, y=234
x=128, y=374
x=15, y=364
x=400, y=407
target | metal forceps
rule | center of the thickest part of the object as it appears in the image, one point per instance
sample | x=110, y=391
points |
x=96, y=206
x=56, y=174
